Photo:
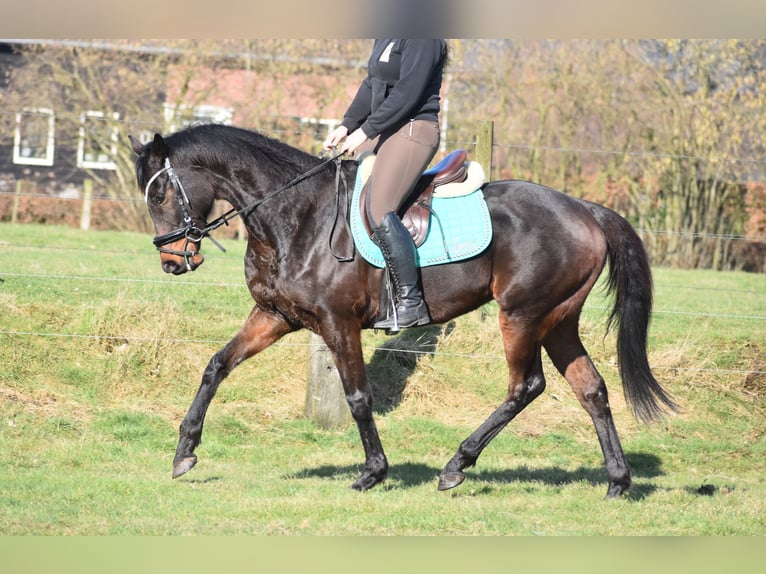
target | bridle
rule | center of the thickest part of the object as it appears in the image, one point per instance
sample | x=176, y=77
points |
x=190, y=232
x=194, y=234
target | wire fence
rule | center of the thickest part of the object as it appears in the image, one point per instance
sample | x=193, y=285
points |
x=692, y=315
x=469, y=356
x=242, y=285
x=650, y=232
x=199, y=284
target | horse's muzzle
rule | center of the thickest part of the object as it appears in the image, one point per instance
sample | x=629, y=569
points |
x=179, y=268
x=179, y=261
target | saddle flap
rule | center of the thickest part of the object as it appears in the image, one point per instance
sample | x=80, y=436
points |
x=415, y=215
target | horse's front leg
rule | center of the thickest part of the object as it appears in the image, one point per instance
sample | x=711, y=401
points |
x=346, y=347
x=259, y=331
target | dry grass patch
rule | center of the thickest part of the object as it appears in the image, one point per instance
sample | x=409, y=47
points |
x=41, y=403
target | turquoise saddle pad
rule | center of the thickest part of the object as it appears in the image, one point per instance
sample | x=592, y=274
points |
x=460, y=228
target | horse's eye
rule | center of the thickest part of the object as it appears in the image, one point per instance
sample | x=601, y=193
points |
x=158, y=198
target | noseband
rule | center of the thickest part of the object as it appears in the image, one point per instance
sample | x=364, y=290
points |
x=193, y=234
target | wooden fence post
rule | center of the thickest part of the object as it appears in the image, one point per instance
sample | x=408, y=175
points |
x=87, y=200
x=16, y=200
x=484, y=139
x=325, y=399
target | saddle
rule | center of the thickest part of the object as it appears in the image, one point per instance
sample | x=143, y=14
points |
x=416, y=211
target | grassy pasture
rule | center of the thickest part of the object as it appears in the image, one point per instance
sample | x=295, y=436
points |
x=101, y=354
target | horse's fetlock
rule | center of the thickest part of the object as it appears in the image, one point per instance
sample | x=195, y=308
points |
x=536, y=386
x=467, y=457
x=189, y=435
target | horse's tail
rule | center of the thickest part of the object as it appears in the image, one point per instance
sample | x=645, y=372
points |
x=630, y=281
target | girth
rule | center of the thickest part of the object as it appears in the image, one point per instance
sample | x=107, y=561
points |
x=416, y=211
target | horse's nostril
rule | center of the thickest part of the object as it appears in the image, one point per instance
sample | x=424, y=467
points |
x=170, y=267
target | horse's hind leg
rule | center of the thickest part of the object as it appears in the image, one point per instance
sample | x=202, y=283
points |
x=259, y=331
x=566, y=351
x=526, y=382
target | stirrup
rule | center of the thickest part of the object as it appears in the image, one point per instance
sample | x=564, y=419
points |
x=392, y=324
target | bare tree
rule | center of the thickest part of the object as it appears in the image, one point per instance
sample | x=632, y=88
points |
x=666, y=132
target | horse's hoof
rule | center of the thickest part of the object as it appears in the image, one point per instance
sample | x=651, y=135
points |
x=616, y=490
x=184, y=465
x=449, y=480
x=367, y=481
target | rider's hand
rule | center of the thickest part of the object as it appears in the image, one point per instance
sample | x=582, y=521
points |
x=334, y=137
x=357, y=138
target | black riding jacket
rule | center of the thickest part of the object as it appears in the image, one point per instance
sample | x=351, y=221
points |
x=403, y=80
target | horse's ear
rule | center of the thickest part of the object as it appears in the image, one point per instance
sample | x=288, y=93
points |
x=159, y=147
x=135, y=144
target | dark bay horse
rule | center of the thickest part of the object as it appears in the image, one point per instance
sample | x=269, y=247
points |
x=546, y=253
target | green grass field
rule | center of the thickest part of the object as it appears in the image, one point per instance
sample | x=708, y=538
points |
x=101, y=354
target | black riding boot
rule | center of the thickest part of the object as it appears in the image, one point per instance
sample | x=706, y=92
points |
x=399, y=252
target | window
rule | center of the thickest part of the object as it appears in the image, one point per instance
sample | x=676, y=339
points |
x=183, y=116
x=33, y=141
x=97, y=145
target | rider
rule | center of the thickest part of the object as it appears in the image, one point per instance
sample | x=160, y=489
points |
x=395, y=115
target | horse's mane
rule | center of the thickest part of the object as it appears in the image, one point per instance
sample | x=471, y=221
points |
x=214, y=145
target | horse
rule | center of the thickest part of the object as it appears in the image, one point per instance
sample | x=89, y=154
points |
x=546, y=252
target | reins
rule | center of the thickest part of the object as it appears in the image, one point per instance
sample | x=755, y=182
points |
x=245, y=211
x=194, y=234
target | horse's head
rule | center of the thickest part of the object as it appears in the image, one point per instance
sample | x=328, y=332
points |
x=179, y=220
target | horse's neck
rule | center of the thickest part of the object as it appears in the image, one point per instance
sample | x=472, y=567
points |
x=253, y=193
